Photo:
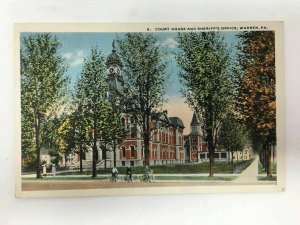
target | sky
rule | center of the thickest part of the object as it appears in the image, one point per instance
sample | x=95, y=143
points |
x=76, y=46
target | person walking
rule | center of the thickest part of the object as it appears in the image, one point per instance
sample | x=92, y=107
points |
x=44, y=170
x=114, y=174
x=53, y=169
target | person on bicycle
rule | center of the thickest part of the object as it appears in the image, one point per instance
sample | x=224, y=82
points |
x=147, y=172
x=129, y=174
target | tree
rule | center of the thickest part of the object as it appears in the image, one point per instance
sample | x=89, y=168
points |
x=80, y=126
x=42, y=83
x=114, y=127
x=256, y=100
x=65, y=137
x=205, y=63
x=144, y=69
x=27, y=143
x=232, y=135
x=91, y=97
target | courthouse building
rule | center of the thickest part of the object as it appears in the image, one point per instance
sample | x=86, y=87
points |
x=166, y=142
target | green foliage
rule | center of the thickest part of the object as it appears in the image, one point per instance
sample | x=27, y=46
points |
x=91, y=101
x=114, y=129
x=91, y=95
x=55, y=157
x=65, y=136
x=144, y=69
x=256, y=98
x=232, y=136
x=205, y=63
x=42, y=85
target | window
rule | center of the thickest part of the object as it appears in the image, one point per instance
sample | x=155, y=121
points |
x=202, y=156
x=124, y=151
x=167, y=137
x=123, y=163
x=155, y=136
x=223, y=155
x=132, y=151
x=194, y=141
x=123, y=121
x=132, y=132
x=131, y=163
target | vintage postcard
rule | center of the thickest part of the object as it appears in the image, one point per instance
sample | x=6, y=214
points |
x=149, y=108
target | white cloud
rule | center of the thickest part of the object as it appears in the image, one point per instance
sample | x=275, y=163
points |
x=169, y=42
x=75, y=58
x=67, y=55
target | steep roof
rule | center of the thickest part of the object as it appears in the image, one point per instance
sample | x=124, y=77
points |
x=160, y=116
x=113, y=58
x=194, y=121
x=177, y=122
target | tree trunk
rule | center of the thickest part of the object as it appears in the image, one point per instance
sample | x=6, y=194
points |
x=38, y=151
x=243, y=155
x=211, y=164
x=211, y=150
x=115, y=157
x=232, y=162
x=269, y=164
x=273, y=148
x=147, y=151
x=264, y=162
x=80, y=155
x=94, y=159
x=146, y=140
x=104, y=157
x=94, y=151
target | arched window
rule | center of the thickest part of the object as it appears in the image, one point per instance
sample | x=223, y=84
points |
x=123, y=151
x=131, y=151
x=123, y=121
x=132, y=131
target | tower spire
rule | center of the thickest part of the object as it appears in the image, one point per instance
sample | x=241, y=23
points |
x=113, y=45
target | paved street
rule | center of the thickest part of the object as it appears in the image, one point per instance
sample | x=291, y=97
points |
x=247, y=177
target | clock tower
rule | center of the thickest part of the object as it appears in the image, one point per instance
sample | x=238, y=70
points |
x=114, y=76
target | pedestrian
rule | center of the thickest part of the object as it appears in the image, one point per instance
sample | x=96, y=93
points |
x=53, y=169
x=44, y=170
x=114, y=174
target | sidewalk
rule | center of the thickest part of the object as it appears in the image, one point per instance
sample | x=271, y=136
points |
x=249, y=175
x=156, y=175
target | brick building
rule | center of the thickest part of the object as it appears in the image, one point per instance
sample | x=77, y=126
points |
x=195, y=146
x=166, y=143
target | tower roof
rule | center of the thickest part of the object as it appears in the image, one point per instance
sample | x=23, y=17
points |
x=113, y=58
x=194, y=121
x=177, y=122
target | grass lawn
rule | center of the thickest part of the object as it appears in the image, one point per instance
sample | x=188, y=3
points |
x=263, y=178
x=195, y=178
x=189, y=168
x=262, y=171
